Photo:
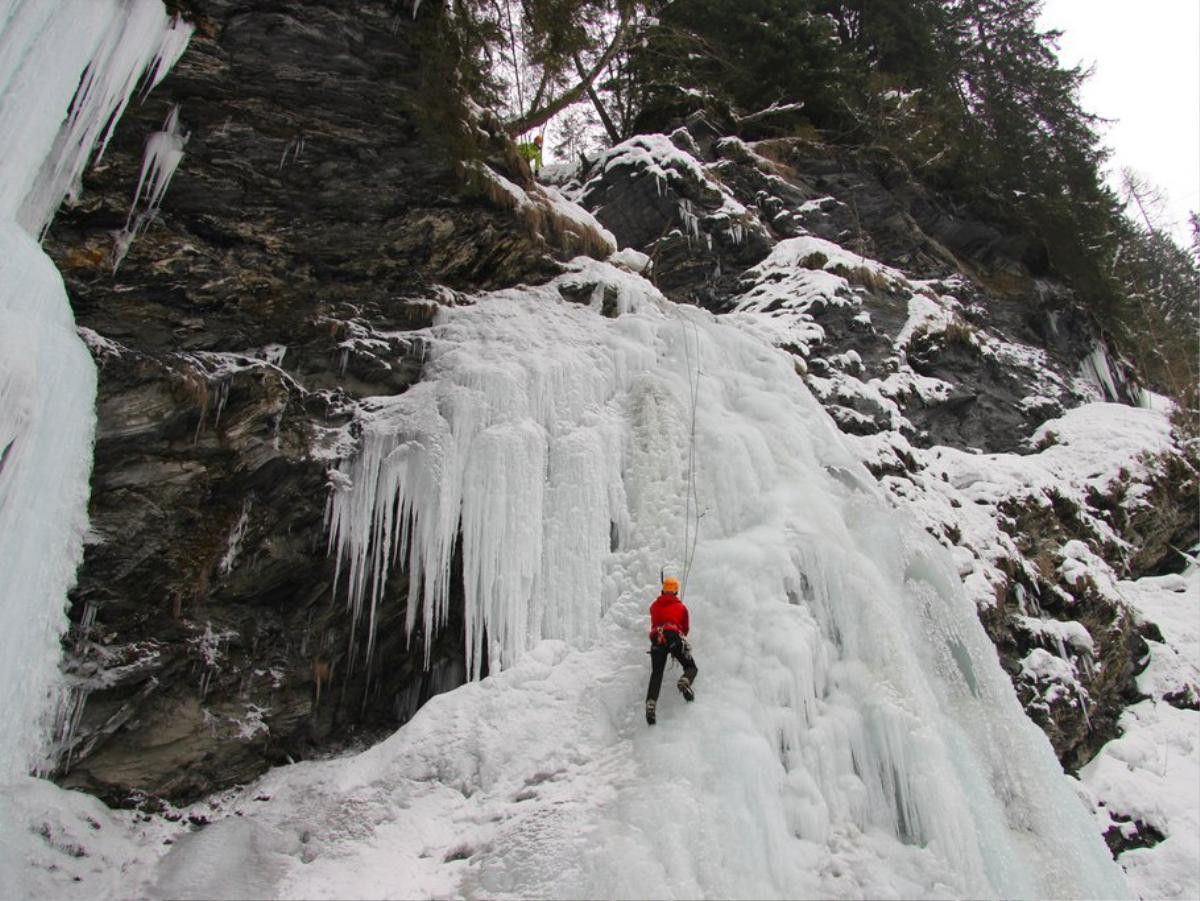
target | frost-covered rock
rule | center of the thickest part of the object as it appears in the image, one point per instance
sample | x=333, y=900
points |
x=1144, y=785
x=656, y=197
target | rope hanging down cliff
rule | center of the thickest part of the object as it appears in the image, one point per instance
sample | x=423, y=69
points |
x=691, y=534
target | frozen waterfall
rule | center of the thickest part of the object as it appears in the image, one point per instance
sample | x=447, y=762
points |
x=854, y=734
x=67, y=70
x=47, y=389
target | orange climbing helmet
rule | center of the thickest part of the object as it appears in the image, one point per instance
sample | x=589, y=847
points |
x=671, y=585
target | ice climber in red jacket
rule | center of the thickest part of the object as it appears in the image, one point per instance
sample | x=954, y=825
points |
x=668, y=628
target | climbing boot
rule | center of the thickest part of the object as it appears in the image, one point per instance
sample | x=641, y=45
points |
x=650, y=717
x=685, y=689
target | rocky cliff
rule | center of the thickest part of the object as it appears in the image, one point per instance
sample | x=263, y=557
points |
x=330, y=197
x=319, y=214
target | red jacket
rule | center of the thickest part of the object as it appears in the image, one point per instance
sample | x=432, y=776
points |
x=670, y=613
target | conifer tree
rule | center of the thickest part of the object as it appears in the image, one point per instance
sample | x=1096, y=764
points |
x=968, y=95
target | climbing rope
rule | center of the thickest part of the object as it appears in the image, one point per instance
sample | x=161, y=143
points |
x=690, y=535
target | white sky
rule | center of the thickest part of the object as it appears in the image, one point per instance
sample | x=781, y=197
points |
x=1146, y=56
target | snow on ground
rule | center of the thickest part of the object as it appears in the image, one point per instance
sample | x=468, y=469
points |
x=1150, y=776
x=1172, y=604
x=1087, y=449
x=1093, y=446
x=953, y=492
x=65, y=844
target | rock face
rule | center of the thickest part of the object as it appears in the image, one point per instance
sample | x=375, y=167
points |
x=317, y=202
x=715, y=208
x=330, y=197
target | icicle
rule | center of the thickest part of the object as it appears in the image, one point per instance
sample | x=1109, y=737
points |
x=691, y=222
x=174, y=42
x=67, y=71
x=1060, y=647
x=1036, y=599
x=88, y=619
x=1095, y=369
x=77, y=698
x=1088, y=667
x=164, y=151
x=79, y=57
x=471, y=455
x=1081, y=693
x=222, y=397
x=294, y=146
x=234, y=545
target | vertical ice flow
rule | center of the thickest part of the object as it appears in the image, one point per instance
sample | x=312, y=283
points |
x=67, y=70
x=47, y=387
x=853, y=700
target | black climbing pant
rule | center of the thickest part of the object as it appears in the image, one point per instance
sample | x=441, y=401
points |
x=658, y=662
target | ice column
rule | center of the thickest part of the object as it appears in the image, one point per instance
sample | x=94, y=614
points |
x=47, y=390
x=68, y=68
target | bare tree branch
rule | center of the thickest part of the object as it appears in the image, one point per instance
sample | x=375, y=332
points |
x=538, y=116
x=541, y=89
x=613, y=134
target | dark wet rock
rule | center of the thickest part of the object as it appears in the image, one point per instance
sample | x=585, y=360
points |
x=318, y=217
x=1126, y=834
x=1079, y=726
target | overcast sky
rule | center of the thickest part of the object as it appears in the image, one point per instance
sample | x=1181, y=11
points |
x=1146, y=56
